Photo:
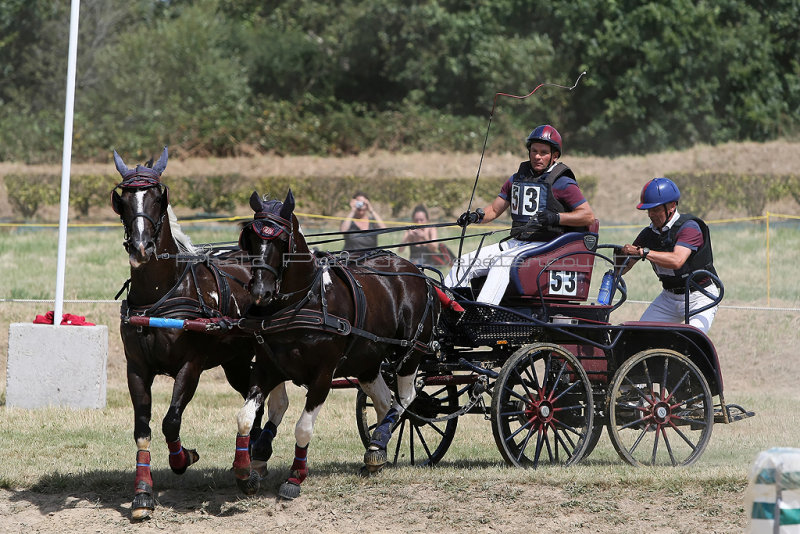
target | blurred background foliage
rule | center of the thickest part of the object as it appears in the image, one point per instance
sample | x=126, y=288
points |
x=228, y=77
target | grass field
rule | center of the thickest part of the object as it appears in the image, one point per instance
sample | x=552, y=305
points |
x=88, y=455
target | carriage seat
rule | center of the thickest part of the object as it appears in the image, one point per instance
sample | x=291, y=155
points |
x=566, y=279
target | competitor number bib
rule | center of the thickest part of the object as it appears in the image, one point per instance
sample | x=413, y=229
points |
x=527, y=199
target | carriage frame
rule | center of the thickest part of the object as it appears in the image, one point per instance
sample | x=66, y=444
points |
x=656, y=387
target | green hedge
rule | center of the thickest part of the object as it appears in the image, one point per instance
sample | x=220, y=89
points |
x=219, y=194
x=748, y=193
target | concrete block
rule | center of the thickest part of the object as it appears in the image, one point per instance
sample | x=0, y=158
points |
x=56, y=366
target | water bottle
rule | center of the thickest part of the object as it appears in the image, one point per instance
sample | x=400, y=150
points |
x=604, y=297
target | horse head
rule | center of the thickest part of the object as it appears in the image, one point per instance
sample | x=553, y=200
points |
x=141, y=205
x=266, y=238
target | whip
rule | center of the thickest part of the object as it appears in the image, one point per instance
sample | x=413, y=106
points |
x=486, y=140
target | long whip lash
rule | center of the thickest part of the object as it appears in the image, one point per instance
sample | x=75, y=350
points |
x=486, y=140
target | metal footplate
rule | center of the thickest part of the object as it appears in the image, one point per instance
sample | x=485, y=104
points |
x=734, y=413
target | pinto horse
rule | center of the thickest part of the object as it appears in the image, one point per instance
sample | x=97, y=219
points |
x=167, y=280
x=325, y=316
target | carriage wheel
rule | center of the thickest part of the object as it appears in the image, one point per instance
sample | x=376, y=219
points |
x=415, y=441
x=660, y=409
x=542, y=407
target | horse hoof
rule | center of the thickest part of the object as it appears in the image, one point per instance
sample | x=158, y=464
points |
x=367, y=471
x=375, y=459
x=289, y=491
x=259, y=467
x=143, y=506
x=249, y=485
x=242, y=473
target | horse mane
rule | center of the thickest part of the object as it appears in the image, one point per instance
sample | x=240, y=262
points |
x=184, y=243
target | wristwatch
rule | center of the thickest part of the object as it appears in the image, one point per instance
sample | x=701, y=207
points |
x=645, y=252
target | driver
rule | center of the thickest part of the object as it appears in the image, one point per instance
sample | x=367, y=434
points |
x=545, y=202
x=675, y=245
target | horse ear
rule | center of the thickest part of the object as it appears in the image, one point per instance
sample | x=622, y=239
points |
x=161, y=164
x=121, y=167
x=116, y=202
x=255, y=202
x=164, y=199
x=288, y=206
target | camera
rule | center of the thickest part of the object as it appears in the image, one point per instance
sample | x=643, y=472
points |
x=359, y=204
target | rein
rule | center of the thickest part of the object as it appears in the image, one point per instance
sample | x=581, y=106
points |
x=378, y=231
x=297, y=316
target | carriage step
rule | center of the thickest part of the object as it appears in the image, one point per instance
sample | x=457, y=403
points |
x=735, y=413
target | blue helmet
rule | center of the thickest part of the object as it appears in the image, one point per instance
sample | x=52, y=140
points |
x=658, y=191
x=544, y=134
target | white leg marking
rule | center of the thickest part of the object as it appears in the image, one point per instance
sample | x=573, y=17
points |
x=406, y=390
x=305, y=426
x=246, y=416
x=380, y=394
x=277, y=404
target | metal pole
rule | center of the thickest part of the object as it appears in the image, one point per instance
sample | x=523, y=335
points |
x=66, y=159
x=768, y=278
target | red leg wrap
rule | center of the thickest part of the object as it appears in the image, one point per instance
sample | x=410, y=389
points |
x=143, y=473
x=241, y=461
x=178, y=457
x=299, y=466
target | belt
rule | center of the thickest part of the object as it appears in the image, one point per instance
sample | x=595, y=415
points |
x=681, y=290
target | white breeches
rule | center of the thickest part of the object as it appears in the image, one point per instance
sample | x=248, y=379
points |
x=495, y=262
x=670, y=308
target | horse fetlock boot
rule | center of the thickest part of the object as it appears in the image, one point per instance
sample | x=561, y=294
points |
x=375, y=459
x=143, y=502
x=262, y=450
x=180, y=458
x=241, y=459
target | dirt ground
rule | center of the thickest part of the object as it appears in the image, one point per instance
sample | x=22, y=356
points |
x=484, y=508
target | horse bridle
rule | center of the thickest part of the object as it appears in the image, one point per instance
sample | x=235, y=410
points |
x=140, y=181
x=268, y=227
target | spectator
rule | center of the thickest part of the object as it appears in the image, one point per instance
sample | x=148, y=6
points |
x=357, y=220
x=420, y=254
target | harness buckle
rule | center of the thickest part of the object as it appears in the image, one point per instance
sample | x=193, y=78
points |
x=259, y=339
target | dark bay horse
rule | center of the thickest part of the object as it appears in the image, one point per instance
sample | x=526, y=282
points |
x=165, y=284
x=325, y=317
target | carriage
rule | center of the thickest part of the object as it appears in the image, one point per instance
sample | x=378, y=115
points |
x=550, y=371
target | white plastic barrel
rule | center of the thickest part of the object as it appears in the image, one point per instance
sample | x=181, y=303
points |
x=773, y=492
